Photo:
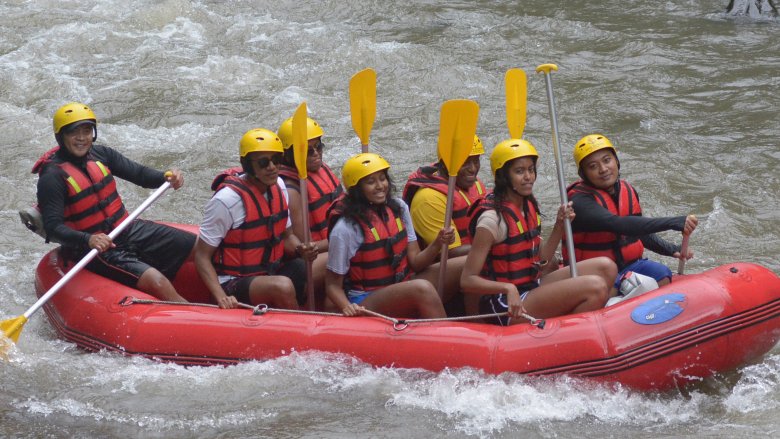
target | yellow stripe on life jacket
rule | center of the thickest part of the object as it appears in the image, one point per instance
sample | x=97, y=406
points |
x=399, y=224
x=72, y=182
x=375, y=233
x=102, y=168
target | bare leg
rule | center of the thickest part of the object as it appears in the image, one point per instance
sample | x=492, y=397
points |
x=153, y=282
x=451, y=277
x=602, y=267
x=413, y=298
x=568, y=296
x=276, y=291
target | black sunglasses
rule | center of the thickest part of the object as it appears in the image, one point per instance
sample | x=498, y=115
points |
x=265, y=161
x=318, y=147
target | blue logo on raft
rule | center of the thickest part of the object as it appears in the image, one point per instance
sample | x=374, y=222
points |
x=659, y=309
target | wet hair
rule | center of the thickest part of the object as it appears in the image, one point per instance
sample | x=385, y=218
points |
x=356, y=205
x=503, y=186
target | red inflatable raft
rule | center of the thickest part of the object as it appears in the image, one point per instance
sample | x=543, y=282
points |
x=697, y=326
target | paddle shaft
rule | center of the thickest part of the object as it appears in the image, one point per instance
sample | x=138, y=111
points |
x=307, y=241
x=561, y=181
x=92, y=253
x=445, y=248
x=683, y=254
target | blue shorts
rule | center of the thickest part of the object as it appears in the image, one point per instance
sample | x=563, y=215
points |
x=653, y=269
x=357, y=298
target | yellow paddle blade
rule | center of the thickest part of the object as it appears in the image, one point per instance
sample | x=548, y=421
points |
x=362, y=103
x=13, y=327
x=300, y=139
x=457, y=126
x=516, y=94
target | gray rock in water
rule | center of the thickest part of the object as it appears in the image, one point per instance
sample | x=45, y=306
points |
x=752, y=8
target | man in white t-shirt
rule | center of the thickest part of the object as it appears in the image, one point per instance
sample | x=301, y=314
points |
x=246, y=251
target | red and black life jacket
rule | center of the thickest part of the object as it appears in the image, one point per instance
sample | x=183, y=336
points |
x=514, y=260
x=92, y=204
x=255, y=247
x=381, y=258
x=427, y=177
x=620, y=248
x=322, y=188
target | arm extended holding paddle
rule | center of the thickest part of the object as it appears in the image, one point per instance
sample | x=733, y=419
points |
x=13, y=327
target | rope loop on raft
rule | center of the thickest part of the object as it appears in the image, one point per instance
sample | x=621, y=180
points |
x=398, y=324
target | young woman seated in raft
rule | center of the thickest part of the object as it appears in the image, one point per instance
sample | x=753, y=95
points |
x=373, y=249
x=508, y=262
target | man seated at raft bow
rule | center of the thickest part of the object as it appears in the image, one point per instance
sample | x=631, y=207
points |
x=80, y=205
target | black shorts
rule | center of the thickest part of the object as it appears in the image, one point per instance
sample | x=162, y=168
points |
x=498, y=304
x=144, y=245
x=295, y=269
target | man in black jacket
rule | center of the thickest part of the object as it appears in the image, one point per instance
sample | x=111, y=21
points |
x=80, y=206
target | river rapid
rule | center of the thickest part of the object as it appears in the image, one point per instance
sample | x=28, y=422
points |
x=688, y=96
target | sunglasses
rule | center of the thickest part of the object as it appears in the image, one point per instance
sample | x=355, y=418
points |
x=265, y=161
x=318, y=148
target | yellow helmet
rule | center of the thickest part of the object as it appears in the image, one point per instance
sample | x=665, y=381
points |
x=361, y=165
x=313, y=130
x=510, y=149
x=477, y=148
x=259, y=140
x=590, y=144
x=72, y=113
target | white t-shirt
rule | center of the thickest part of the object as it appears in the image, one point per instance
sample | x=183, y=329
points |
x=225, y=211
x=347, y=236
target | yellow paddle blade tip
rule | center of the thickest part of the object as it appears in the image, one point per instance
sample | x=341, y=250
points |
x=12, y=328
x=547, y=68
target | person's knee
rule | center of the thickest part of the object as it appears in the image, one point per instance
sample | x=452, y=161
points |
x=152, y=279
x=606, y=266
x=425, y=292
x=281, y=285
x=597, y=288
x=278, y=290
x=421, y=287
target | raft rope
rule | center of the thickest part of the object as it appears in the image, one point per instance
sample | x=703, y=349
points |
x=398, y=324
